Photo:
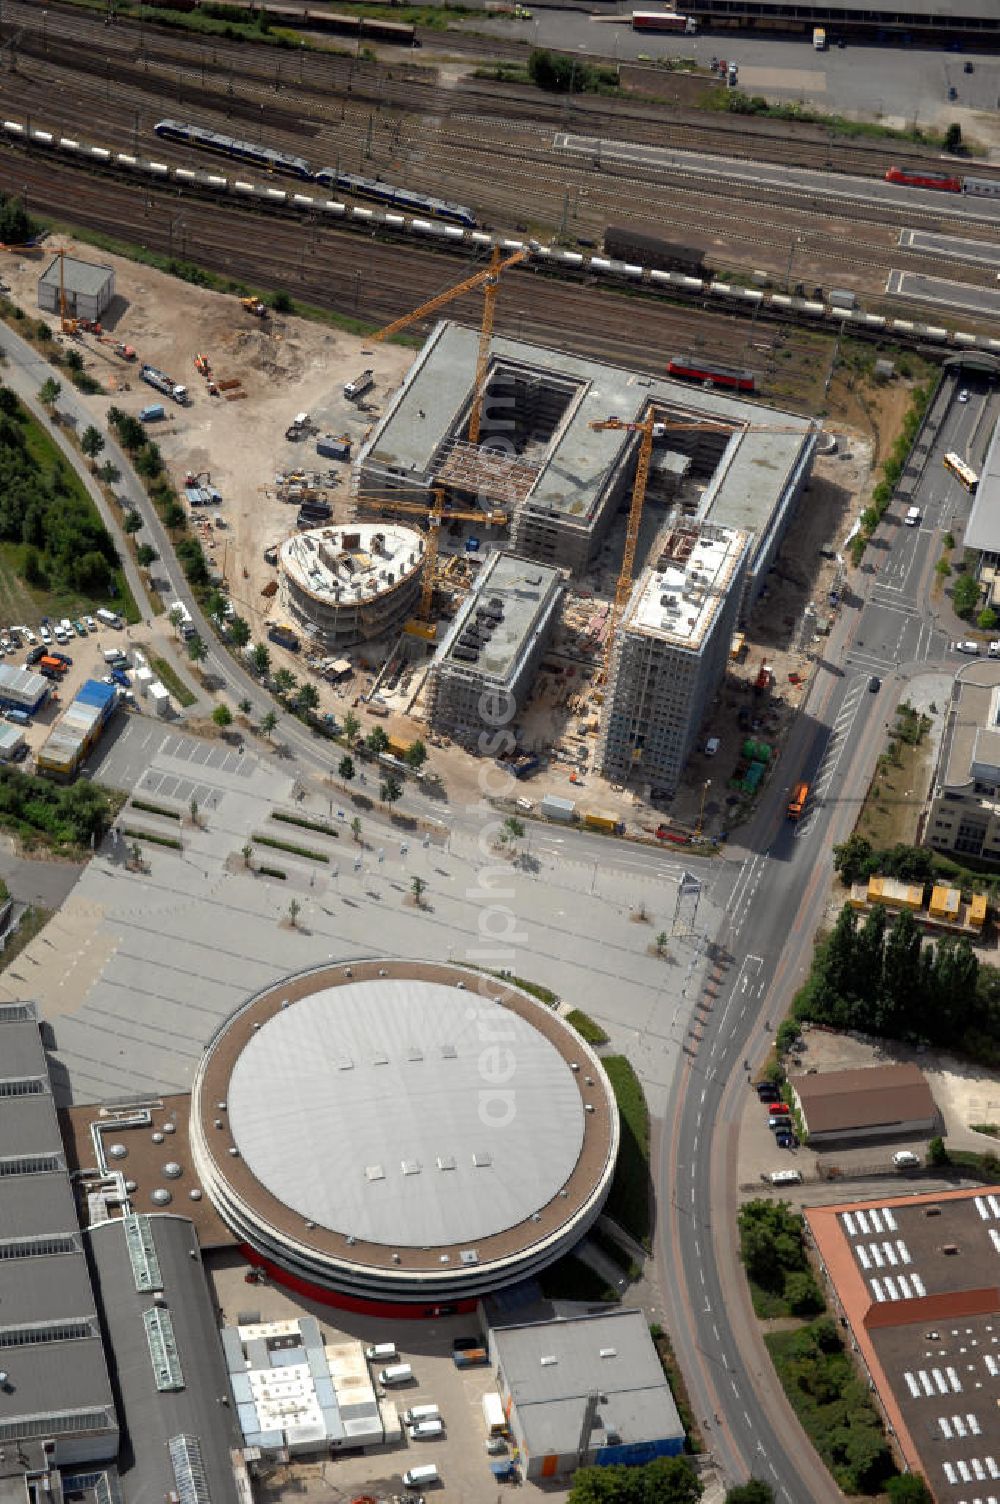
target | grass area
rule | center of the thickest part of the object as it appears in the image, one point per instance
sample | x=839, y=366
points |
x=693, y=1441
x=534, y=989
x=305, y=823
x=172, y=679
x=586, y=1027
x=991, y=1129
x=723, y=100
x=892, y=807
x=33, y=921
x=831, y=1401
x=313, y=856
x=154, y=809
x=629, y=1202
x=152, y=835
x=571, y=1279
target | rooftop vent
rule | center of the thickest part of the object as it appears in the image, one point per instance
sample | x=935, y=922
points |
x=609, y=1352
x=950, y=1248
x=469, y=1256
x=482, y=1159
x=410, y=1166
x=374, y=1172
x=548, y=1362
x=447, y=1162
x=449, y=1052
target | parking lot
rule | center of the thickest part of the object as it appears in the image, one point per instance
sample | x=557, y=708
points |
x=460, y=1454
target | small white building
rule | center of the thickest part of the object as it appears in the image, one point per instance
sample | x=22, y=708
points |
x=159, y=698
x=144, y=680
x=89, y=288
x=11, y=741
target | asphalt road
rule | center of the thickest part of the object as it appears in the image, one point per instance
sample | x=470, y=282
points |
x=706, y=167
x=761, y=954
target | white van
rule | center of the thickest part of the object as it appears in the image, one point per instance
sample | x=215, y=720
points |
x=785, y=1177
x=108, y=618
x=425, y=1430
x=420, y=1477
x=493, y=1414
x=912, y=516
x=381, y=1352
x=396, y=1373
x=417, y=1414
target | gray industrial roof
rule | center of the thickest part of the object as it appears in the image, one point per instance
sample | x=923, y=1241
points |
x=84, y=277
x=364, y=1108
x=49, y=1332
x=983, y=529
x=151, y=1416
x=524, y=589
x=552, y=1367
x=579, y=462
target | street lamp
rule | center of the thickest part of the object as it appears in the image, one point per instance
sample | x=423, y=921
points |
x=795, y=241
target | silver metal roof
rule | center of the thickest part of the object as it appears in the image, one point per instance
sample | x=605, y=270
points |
x=551, y=1367
x=154, y=1417
x=86, y=277
x=399, y=1112
x=524, y=590
x=983, y=530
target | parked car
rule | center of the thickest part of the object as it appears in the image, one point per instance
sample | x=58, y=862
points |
x=967, y=647
x=905, y=1159
x=712, y=746
x=63, y=658
x=963, y=395
x=90, y=624
x=79, y=629
x=45, y=635
x=34, y=655
x=994, y=648
x=874, y=684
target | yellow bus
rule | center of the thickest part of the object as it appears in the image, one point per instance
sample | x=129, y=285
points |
x=961, y=471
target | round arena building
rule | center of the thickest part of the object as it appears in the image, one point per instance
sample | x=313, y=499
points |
x=403, y=1133
x=346, y=585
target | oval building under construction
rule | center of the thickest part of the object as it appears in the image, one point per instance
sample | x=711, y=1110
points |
x=351, y=584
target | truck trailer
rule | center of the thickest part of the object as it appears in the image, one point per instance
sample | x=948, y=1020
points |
x=159, y=380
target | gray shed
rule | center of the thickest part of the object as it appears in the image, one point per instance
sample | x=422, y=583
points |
x=89, y=288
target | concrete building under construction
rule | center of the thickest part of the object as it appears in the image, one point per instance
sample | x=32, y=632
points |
x=560, y=479
x=484, y=669
x=670, y=654
x=346, y=585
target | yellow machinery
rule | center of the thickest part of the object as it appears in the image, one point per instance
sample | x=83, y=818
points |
x=489, y=281
x=68, y=324
x=647, y=427
x=435, y=516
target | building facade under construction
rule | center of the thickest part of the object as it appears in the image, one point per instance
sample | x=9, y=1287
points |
x=670, y=655
x=484, y=668
x=346, y=585
x=547, y=458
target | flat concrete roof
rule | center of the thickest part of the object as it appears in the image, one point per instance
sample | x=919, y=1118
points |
x=341, y=565
x=84, y=277
x=678, y=599
x=551, y=1368
x=580, y=460
x=974, y=713
x=983, y=528
x=872, y=1097
x=918, y=1278
x=519, y=590
x=363, y=1108
x=937, y=12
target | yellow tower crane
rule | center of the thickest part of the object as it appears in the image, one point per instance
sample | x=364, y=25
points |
x=68, y=324
x=489, y=280
x=650, y=427
x=434, y=515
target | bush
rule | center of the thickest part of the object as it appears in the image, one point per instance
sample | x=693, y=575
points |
x=154, y=809
x=965, y=595
x=313, y=856
x=154, y=836
x=586, y=1027
x=304, y=822
x=272, y=872
x=71, y=815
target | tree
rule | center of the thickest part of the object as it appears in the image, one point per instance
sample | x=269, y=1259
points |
x=513, y=829
x=132, y=522
x=222, y=715
x=853, y=860
x=110, y=473
x=908, y=1488
x=356, y=829
x=268, y=723
x=247, y=854
x=239, y=631
x=9, y=405
x=803, y=1294
x=145, y=554
x=415, y=755
x=281, y=302
x=937, y=1154
x=987, y=619
x=261, y=658
x=175, y=617
x=376, y=741
x=953, y=138
x=131, y=434
x=417, y=887
x=49, y=392
x=197, y=651
x=391, y=790
x=307, y=697
x=284, y=681
x=345, y=768
x=351, y=726
x=294, y=910
x=668, y=1480
x=245, y=707
x=965, y=594
x=754, y=1492
x=661, y=942
x=33, y=573
x=92, y=442
x=193, y=807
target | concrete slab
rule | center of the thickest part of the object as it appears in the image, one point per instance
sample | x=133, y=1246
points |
x=952, y=247
x=945, y=294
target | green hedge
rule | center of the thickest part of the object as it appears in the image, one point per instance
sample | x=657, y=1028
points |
x=313, y=856
x=305, y=823
x=586, y=1027
x=629, y=1201
x=149, y=835
x=272, y=872
x=154, y=809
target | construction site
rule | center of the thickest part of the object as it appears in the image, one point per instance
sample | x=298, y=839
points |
x=490, y=523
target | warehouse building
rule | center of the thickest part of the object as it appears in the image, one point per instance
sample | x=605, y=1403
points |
x=560, y=478
x=875, y=1102
x=172, y=1390
x=347, y=585
x=20, y=689
x=483, y=670
x=917, y=21
x=915, y=1280
x=964, y=812
x=670, y=655
x=89, y=288
x=584, y=1391
x=56, y=1404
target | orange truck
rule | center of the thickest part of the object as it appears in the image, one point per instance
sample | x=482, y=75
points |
x=796, y=804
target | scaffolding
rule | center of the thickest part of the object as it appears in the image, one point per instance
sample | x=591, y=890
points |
x=484, y=473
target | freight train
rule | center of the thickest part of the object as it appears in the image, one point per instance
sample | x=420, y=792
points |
x=396, y=33
x=945, y=182
x=279, y=161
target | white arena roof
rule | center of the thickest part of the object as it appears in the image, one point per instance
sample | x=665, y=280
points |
x=364, y=1108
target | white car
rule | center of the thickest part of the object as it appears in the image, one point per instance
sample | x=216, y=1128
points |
x=994, y=648
x=43, y=633
x=963, y=395
x=712, y=746
x=29, y=634
x=90, y=623
x=905, y=1159
x=967, y=647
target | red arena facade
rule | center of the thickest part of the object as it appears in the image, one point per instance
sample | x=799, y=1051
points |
x=402, y=1134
